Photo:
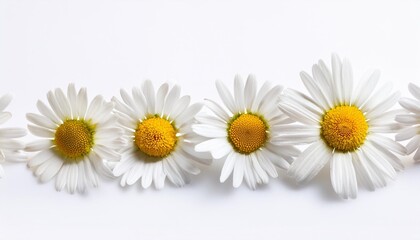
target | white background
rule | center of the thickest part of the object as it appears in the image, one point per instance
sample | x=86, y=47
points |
x=106, y=45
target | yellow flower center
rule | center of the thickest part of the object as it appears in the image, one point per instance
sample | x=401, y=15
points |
x=74, y=139
x=155, y=137
x=247, y=133
x=344, y=128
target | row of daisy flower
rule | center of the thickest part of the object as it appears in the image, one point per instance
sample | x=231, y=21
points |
x=147, y=136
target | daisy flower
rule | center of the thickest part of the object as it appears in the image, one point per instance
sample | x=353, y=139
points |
x=77, y=138
x=411, y=121
x=343, y=127
x=10, y=148
x=160, y=140
x=244, y=133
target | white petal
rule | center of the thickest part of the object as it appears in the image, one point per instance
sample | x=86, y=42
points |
x=336, y=73
x=94, y=107
x=239, y=94
x=257, y=167
x=372, y=176
x=388, y=144
x=147, y=177
x=250, y=91
x=226, y=96
x=250, y=176
x=5, y=101
x=209, y=131
x=135, y=173
x=413, y=144
x=11, y=144
x=406, y=134
x=211, y=145
x=314, y=89
x=127, y=99
x=322, y=76
x=180, y=106
x=343, y=176
x=90, y=175
x=12, y=132
x=81, y=181
x=4, y=117
x=160, y=97
x=346, y=81
x=38, y=145
x=238, y=171
x=41, y=132
x=260, y=96
x=409, y=119
x=383, y=106
x=41, y=121
x=416, y=156
x=410, y=104
x=55, y=105
x=53, y=167
x=269, y=102
x=365, y=87
x=188, y=114
x=310, y=162
x=44, y=110
x=72, y=177
x=40, y=158
x=266, y=164
x=228, y=166
x=149, y=94
x=82, y=102
x=211, y=120
x=72, y=98
x=125, y=165
x=414, y=90
x=159, y=176
x=63, y=102
x=61, y=180
x=184, y=163
x=381, y=164
x=171, y=99
x=173, y=173
x=217, y=109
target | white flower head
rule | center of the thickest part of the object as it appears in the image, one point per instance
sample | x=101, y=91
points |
x=160, y=140
x=246, y=132
x=10, y=147
x=343, y=127
x=79, y=139
x=411, y=122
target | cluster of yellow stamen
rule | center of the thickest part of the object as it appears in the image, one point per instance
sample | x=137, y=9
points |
x=156, y=137
x=247, y=133
x=74, y=139
x=344, y=128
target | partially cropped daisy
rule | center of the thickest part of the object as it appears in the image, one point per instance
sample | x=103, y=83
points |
x=411, y=122
x=78, y=139
x=10, y=147
x=244, y=133
x=343, y=127
x=160, y=140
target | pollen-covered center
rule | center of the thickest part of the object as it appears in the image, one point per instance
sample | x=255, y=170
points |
x=155, y=137
x=344, y=128
x=247, y=133
x=74, y=139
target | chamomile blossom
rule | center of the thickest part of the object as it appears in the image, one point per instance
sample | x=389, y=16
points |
x=160, y=140
x=78, y=139
x=343, y=127
x=244, y=133
x=10, y=146
x=411, y=121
